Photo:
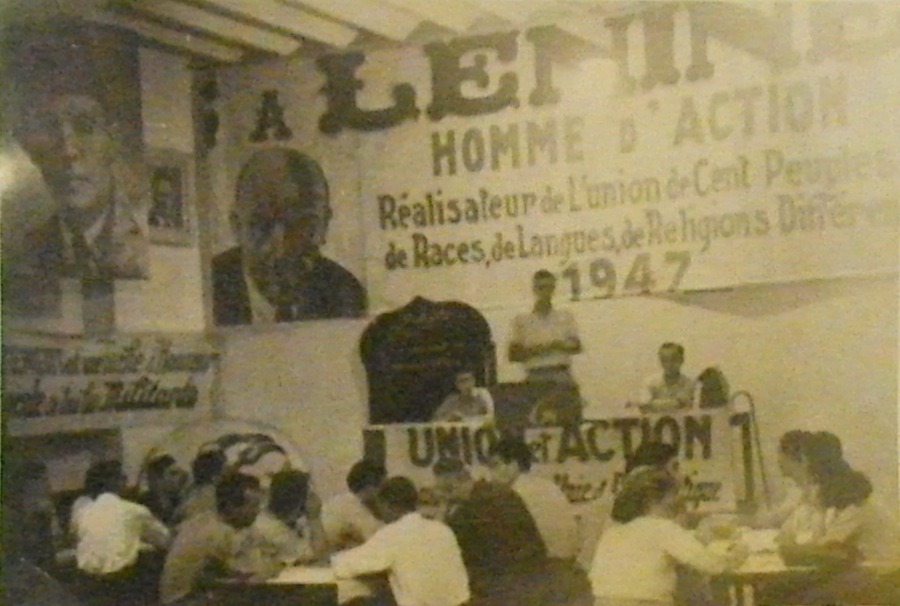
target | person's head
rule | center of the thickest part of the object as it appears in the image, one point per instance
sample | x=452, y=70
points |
x=288, y=493
x=452, y=480
x=671, y=358
x=465, y=381
x=510, y=457
x=164, y=476
x=649, y=491
x=208, y=467
x=837, y=484
x=69, y=139
x=364, y=479
x=790, y=454
x=238, y=499
x=543, y=285
x=397, y=497
x=651, y=454
x=280, y=217
x=164, y=188
x=103, y=477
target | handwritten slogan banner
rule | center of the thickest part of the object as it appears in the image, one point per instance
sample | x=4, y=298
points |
x=586, y=461
x=56, y=377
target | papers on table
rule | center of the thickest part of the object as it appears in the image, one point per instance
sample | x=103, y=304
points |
x=304, y=575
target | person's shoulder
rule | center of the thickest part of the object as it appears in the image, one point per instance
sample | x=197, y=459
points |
x=229, y=259
x=336, y=271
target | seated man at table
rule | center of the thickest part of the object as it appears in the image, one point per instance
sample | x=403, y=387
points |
x=502, y=548
x=467, y=403
x=421, y=556
x=206, y=542
x=349, y=518
x=289, y=531
x=672, y=390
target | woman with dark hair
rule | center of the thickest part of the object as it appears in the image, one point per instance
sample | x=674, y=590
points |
x=838, y=521
x=838, y=525
x=635, y=561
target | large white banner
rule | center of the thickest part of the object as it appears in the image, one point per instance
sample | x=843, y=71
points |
x=758, y=170
x=707, y=145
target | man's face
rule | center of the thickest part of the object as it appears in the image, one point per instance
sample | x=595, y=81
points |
x=164, y=193
x=245, y=515
x=454, y=487
x=281, y=224
x=503, y=472
x=670, y=360
x=465, y=382
x=173, y=480
x=543, y=288
x=73, y=150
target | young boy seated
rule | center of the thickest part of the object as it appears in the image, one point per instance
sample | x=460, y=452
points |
x=467, y=403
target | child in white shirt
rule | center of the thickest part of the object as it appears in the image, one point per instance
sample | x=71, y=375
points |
x=634, y=563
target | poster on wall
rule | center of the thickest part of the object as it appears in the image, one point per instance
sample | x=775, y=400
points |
x=92, y=383
x=77, y=206
x=710, y=145
x=278, y=271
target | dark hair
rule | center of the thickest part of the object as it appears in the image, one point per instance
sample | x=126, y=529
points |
x=232, y=489
x=839, y=485
x=157, y=466
x=543, y=274
x=445, y=467
x=650, y=454
x=793, y=442
x=288, y=492
x=102, y=477
x=511, y=448
x=641, y=491
x=676, y=347
x=365, y=474
x=207, y=466
x=399, y=493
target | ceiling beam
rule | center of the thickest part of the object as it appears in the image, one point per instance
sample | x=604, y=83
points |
x=191, y=43
x=289, y=18
x=385, y=20
x=224, y=27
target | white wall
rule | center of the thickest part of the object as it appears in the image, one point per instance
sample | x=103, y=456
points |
x=817, y=355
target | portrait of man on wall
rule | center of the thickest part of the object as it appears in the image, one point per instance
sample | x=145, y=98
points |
x=98, y=229
x=278, y=272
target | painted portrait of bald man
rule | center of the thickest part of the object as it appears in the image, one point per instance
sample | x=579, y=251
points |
x=277, y=272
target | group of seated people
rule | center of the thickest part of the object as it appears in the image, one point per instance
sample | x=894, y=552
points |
x=507, y=540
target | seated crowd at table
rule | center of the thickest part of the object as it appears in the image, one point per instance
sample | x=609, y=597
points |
x=511, y=538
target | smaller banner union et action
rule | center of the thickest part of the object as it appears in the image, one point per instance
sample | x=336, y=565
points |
x=587, y=461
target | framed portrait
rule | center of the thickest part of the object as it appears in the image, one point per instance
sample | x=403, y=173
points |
x=172, y=208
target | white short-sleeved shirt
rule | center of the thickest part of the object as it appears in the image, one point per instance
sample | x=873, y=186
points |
x=422, y=559
x=532, y=329
x=664, y=397
x=637, y=560
x=109, y=531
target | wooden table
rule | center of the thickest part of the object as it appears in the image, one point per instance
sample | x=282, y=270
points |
x=297, y=585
